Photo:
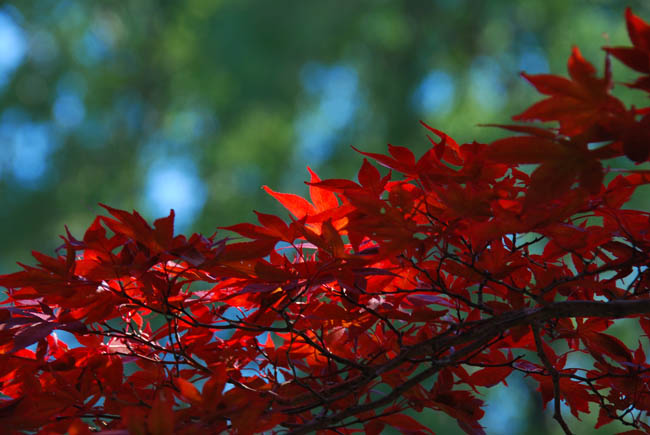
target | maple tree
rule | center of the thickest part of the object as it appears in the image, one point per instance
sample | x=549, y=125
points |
x=400, y=291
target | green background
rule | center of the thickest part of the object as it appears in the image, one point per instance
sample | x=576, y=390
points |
x=195, y=104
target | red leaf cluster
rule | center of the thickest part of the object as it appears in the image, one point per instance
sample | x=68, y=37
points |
x=456, y=267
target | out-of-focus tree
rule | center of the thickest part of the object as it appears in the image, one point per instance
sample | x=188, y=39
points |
x=192, y=105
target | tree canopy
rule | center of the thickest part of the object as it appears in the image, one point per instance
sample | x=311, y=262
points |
x=106, y=102
x=409, y=289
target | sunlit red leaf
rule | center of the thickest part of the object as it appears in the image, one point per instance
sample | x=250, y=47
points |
x=323, y=199
x=188, y=390
x=298, y=206
x=447, y=148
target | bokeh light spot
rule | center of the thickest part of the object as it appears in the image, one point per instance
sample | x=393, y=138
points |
x=12, y=46
x=435, y=93
x=173, y=183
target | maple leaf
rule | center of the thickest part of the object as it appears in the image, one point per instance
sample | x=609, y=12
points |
x=637, y=57
x=580, y=104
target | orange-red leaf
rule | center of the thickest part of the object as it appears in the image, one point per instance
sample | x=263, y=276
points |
x=188, y=390
x=297, y=205
x=323, y=199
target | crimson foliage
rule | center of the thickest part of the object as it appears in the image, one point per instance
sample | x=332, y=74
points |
x=401, y=291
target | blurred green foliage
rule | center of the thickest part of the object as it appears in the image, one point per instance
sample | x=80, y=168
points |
x=195, y=104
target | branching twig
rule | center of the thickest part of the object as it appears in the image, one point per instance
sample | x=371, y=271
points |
x=557, y=412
